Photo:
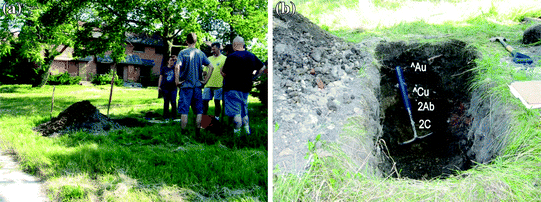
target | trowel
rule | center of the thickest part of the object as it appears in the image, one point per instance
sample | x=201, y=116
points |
x=407, y=104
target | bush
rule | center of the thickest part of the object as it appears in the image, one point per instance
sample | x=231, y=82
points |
x=16, y=68
x=151, y=80
x=102, y=79
x=63, y=79
x=261, y=89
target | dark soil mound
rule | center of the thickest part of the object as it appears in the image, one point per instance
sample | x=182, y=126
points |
x=79, y=116
x=532, y=34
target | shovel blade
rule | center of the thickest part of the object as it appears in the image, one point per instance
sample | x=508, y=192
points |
x=522, y=59
x=415, y=138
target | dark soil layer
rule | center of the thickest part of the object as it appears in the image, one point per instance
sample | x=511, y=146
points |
x=446, y=81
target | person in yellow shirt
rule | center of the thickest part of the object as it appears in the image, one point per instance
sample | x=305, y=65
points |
x=213, y=89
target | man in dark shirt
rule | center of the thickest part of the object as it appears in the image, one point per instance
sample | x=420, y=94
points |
x=238, y=71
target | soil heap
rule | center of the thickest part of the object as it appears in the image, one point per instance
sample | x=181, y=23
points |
x=318, y=90
x=79, y=116
x=532, y=34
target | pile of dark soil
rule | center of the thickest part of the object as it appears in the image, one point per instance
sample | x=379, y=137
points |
x=79, y=116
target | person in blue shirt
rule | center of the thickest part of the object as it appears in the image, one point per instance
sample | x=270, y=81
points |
x=190, y=80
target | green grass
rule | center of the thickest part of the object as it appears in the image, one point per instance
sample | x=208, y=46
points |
x=513, y=176
x=152, y=163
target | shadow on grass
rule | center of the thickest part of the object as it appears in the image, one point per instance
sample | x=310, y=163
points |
x=203, y=169
x=258, y=138
x=34, y=106
x=14, y=88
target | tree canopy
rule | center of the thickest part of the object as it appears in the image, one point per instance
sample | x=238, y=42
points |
x=48, y=27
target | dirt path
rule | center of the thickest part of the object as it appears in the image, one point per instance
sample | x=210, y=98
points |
x=16, y=185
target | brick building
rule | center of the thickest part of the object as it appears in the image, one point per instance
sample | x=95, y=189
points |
x=144, y=59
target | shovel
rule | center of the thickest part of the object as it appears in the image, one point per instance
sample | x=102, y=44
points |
x=518, y=58
x=407, y=104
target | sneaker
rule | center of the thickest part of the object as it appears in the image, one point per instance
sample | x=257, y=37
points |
x=247, y=129
x=236, y=131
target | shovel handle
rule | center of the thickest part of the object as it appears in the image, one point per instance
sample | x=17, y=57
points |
x=403, y=89
x=507, y=46
x=404, y=93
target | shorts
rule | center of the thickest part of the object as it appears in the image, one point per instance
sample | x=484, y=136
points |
x=190, y=97
x=209, y=93
x=236, y=102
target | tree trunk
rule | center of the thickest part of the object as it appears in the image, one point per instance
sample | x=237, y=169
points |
x=49, y=59
x=168, y=46
x=45, y=72
x=112, y=85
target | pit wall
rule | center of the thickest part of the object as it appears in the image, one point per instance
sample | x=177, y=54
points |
x=471, y=127
x=491, y=124
x=365, y=128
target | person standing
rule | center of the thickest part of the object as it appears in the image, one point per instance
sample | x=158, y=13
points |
x=238, y=72
x=168, y=88
x=191, y=81
x=213, y=89
x=228, y=49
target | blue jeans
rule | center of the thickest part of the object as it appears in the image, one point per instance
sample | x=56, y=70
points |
x=236, y=103
x=190, y=97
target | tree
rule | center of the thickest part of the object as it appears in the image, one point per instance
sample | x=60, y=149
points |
x=247, y=18
x=168, y=19
x=48, y=27
x=171, y=20
x=46, y=30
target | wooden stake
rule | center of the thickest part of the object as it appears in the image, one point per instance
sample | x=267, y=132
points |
x=52, y=102
x=111, y=93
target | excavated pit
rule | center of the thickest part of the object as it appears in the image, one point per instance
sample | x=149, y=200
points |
x=437, y=79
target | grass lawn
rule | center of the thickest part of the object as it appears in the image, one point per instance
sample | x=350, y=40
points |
x=152, y=163
x=513, y=176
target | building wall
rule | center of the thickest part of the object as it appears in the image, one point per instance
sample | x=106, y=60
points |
x=65, y=63
x=149, y=54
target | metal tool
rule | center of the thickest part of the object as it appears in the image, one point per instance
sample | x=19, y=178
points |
x=407, y=104
x=517, y=57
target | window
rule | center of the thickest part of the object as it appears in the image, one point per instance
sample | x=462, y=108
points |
x=138, y=48
x=159, y=50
